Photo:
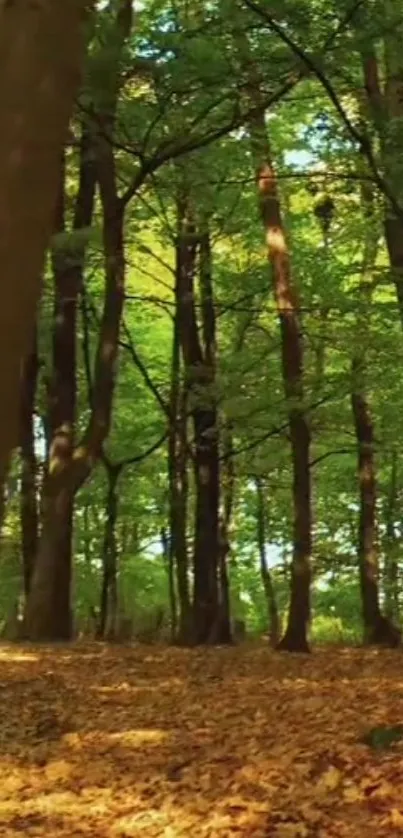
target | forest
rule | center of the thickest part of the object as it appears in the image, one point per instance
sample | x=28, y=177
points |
x=205, y=464
x=210, y=406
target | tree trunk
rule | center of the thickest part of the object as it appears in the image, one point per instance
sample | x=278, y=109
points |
x=40, y=55
x=70, y=468
x=208, y=625
x=377, y=629
x=29, y=488
x=108, y=612
x=68, y=474
x=68, y=259
x=288, y=310
x=367, y=548
x=178, y=482
x=274, y=622
x=222, y=631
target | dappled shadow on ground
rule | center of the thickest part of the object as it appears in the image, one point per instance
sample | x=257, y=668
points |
x=151, y=741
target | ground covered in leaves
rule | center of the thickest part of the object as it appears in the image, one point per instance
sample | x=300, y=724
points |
x=145, y=741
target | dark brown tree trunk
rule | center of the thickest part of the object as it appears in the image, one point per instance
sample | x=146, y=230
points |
x=268, y=587
x=377, y=628
x=29, y=470
x=178, y=483
x=367, y=540
x=50, y=590
x=68, y=257
x=108, y=612
x=40, y=56
x=48, y=607
x=288, y=310
x=222, y=632
x=208, y=618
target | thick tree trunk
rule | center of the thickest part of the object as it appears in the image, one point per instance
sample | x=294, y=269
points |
x=70, y=468
x=29, y=475
x=43, y=611
x=68, y=258
x=268, y=587
x=48, y=612
x=40, y=55
x=288, y=310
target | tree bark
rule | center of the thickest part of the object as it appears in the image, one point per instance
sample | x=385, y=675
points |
x=48, y=607
x=41, y=47
x=288, y=310
x=29, y=470
x=268, y=587
x=208, y=625
x=178, y=477
x=377, y=629
x=50, y=590
x=68, y=260
x=208, y=326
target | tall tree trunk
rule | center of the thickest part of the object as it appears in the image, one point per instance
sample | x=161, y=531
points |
x=108, y=612
x=40, y=54
x=208, y=626
x=208, y=326
x=367, y=546
x=268, y=587
x=288, y=310
x=48, y=607
x=292, y=355
x=29, y=487
x=377, y=628
x=68, y=258
x=178, y=482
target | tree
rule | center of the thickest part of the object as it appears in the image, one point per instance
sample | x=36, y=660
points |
x=41, y=49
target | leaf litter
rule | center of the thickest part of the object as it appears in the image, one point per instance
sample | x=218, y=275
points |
x=115, y=742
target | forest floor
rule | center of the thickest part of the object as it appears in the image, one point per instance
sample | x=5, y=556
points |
x=115, y=742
